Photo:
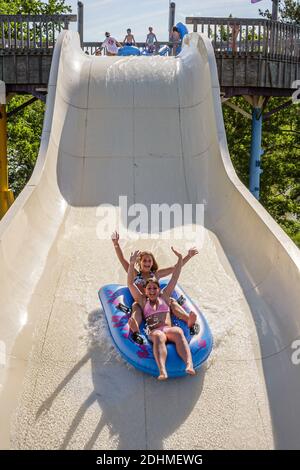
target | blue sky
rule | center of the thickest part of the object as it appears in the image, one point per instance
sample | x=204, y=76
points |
x=118, y=15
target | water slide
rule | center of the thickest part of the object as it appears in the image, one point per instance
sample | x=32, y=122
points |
x=150, y=129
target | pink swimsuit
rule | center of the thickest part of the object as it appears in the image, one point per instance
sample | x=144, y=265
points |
x=149, y=311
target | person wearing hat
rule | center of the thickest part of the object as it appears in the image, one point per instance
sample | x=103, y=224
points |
x=110, y=44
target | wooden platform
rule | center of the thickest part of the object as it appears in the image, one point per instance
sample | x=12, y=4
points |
x=254, y=56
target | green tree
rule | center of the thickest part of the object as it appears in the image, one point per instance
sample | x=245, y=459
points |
x=33, y=7
x=289, y=11
x=24, y=132
x=25, y=128
x=280, y=163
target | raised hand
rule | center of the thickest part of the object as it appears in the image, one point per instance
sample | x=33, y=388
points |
x=193, y=251
x=179, y=255
x=115, y=238
x=134, y=256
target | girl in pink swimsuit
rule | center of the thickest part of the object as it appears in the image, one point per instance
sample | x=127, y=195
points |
x=147, y=268
x=159, y=317
x=156, y=308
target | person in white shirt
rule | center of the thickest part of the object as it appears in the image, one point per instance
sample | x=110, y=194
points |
x=110, y=44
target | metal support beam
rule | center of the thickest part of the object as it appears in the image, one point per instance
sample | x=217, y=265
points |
x=39, y=96
x=80, y=21
x=256, y=152
x=6, y=195
x=172, y=8
x=22, y=106
x=275, y=110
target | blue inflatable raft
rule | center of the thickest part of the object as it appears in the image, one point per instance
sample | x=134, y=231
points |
x=114, y=297
x=162, y=51
x=129, y=50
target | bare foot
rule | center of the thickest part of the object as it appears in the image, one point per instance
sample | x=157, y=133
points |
x=192, y=319
x=133, y=325
x=163, y=375
x=190, y=370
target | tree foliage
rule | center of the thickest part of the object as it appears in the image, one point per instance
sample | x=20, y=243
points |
x=24, y=132
x=289, y=11
x=25, y=128
x=33, y=7
x=280, y=162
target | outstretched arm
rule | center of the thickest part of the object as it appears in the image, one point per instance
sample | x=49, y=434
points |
x=134, y=290
x=175, y=275
x=167, y=271
x=115, y=238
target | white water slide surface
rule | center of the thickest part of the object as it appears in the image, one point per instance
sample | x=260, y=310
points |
x=151, y=129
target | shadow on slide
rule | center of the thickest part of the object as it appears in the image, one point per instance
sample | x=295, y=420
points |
x=116, y=393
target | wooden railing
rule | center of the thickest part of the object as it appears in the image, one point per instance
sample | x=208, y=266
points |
x=244, y=36
x=241, y=36
x=32, y=31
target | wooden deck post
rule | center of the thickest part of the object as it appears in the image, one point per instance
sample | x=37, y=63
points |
x=80, y=21
x=171, y=16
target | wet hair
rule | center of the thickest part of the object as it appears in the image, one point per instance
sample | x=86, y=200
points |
x=153, y=280
x=154, y=263
x=128, y=30
x=107, y=33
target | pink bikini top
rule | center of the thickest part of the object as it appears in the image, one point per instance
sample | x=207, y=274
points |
x=162, y=307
